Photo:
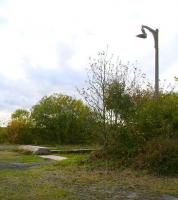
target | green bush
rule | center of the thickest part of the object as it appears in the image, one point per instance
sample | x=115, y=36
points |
x=159, y=156
x=156, y=117
x=124, y=144
x=145, y=137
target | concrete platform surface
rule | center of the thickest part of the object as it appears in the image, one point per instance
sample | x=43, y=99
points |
x=53, y=157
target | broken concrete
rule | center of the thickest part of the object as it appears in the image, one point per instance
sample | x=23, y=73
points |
x=37, y=150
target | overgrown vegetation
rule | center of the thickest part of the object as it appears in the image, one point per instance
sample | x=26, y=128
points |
x=121, y=114
x=132, y=117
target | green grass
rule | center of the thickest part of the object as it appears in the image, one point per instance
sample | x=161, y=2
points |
x=29, y=184
x=75, y=179
x=10, y=156
x=73, y=160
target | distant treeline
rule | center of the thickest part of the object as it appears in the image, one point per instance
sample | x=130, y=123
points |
x=55, y=119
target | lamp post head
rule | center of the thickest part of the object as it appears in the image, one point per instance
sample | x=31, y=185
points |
x=143, y=35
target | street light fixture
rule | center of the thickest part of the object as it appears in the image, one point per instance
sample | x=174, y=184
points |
x=143, y=35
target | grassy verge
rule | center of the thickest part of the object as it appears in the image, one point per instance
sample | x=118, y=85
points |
x=11, y=157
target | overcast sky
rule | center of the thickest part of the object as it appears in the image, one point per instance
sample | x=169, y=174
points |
x=45, y=44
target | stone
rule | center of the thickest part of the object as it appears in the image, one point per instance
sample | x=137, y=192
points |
x=132, y=195
x=37, y=150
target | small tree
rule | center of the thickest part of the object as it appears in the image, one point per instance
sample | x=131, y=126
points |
x=19, y=127
x=99, y=72
x=110, y=85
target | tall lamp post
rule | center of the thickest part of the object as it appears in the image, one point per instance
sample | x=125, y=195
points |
x=143, y=35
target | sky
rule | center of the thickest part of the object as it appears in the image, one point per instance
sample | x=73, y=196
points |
x=45, y=45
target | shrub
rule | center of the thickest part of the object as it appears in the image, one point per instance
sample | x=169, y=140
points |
x=97, y=155
x=124, y=144
x=145, y=138
x=154, y=118
x=159, y=156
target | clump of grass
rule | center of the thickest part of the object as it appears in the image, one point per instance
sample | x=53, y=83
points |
x=73, y=160
x=159, y=156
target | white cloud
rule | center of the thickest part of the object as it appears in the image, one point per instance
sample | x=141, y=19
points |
x=45, y=44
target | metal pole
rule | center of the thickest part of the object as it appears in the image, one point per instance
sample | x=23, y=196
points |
x=155, y=36
x=156, y=64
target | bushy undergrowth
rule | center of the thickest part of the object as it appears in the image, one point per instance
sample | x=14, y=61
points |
x=160, y=156
x=147, y=136
x=157, y=117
